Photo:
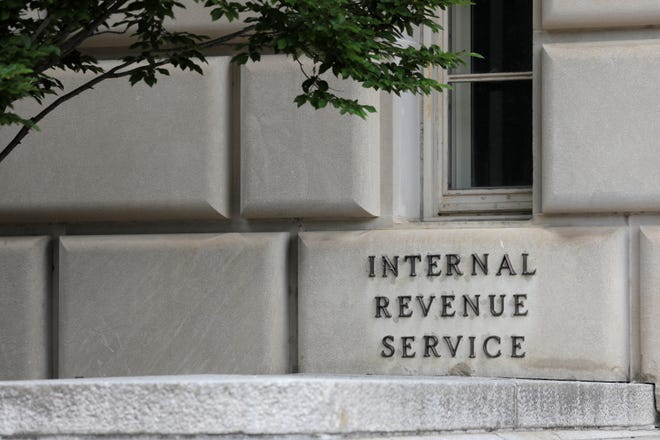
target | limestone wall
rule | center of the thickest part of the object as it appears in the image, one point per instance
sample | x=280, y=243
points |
x=208, y=225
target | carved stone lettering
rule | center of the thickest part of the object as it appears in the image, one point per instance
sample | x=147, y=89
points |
x=446, y=305
x=453, y=265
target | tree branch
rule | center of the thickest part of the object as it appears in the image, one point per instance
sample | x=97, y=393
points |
x=112, y=73
x=206, y=44
x=42, y=27
x=75, y=40
x=115, y=72
x=109, y=32
x=62, y=99
x=129, y=72
x=70, y=41
x=225, y=38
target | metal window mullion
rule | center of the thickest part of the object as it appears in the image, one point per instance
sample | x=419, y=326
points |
x=460, y=156
x=489, y=77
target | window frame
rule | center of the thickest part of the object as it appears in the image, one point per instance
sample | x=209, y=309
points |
x=440, y=202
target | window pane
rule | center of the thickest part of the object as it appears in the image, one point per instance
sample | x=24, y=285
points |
x=490, y=134
x=499, y=30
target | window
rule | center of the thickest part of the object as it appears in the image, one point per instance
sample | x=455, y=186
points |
x=485, y=142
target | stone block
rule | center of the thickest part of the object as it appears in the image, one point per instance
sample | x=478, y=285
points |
x=24, y=308
x=649, y=304
x=270, y=405
x=580, y=14
x=583, y=404
x=599, y=142
x=173, y=304
x=300, y=162
x=607, y=434
x=307, y=406
x=516, y=302
x=126, y=153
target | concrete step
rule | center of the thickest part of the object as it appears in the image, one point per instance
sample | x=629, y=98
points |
x=545, y=434
x=295, y=406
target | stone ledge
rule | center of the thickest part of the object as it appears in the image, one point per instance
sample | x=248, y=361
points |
x=645, y=434
x=545, y=434
x=302, y=405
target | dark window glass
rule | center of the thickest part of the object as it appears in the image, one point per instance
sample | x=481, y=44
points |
x=499, y=30
x=502, y=133
x=498, y=134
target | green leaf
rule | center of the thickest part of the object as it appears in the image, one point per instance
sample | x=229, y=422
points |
x=240, y=58
x=354, y=40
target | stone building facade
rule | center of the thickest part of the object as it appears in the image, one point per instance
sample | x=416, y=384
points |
x=208, y=226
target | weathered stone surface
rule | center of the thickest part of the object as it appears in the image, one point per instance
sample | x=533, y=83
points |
x=649, y=304
x=126, y=153
x=573, y=318
x=298, y=405
x=298, y=162
x=599, y=142
x=580, y=14
x=24, y=308
x=173, y=304
x=565, y=404
x=546, y=434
